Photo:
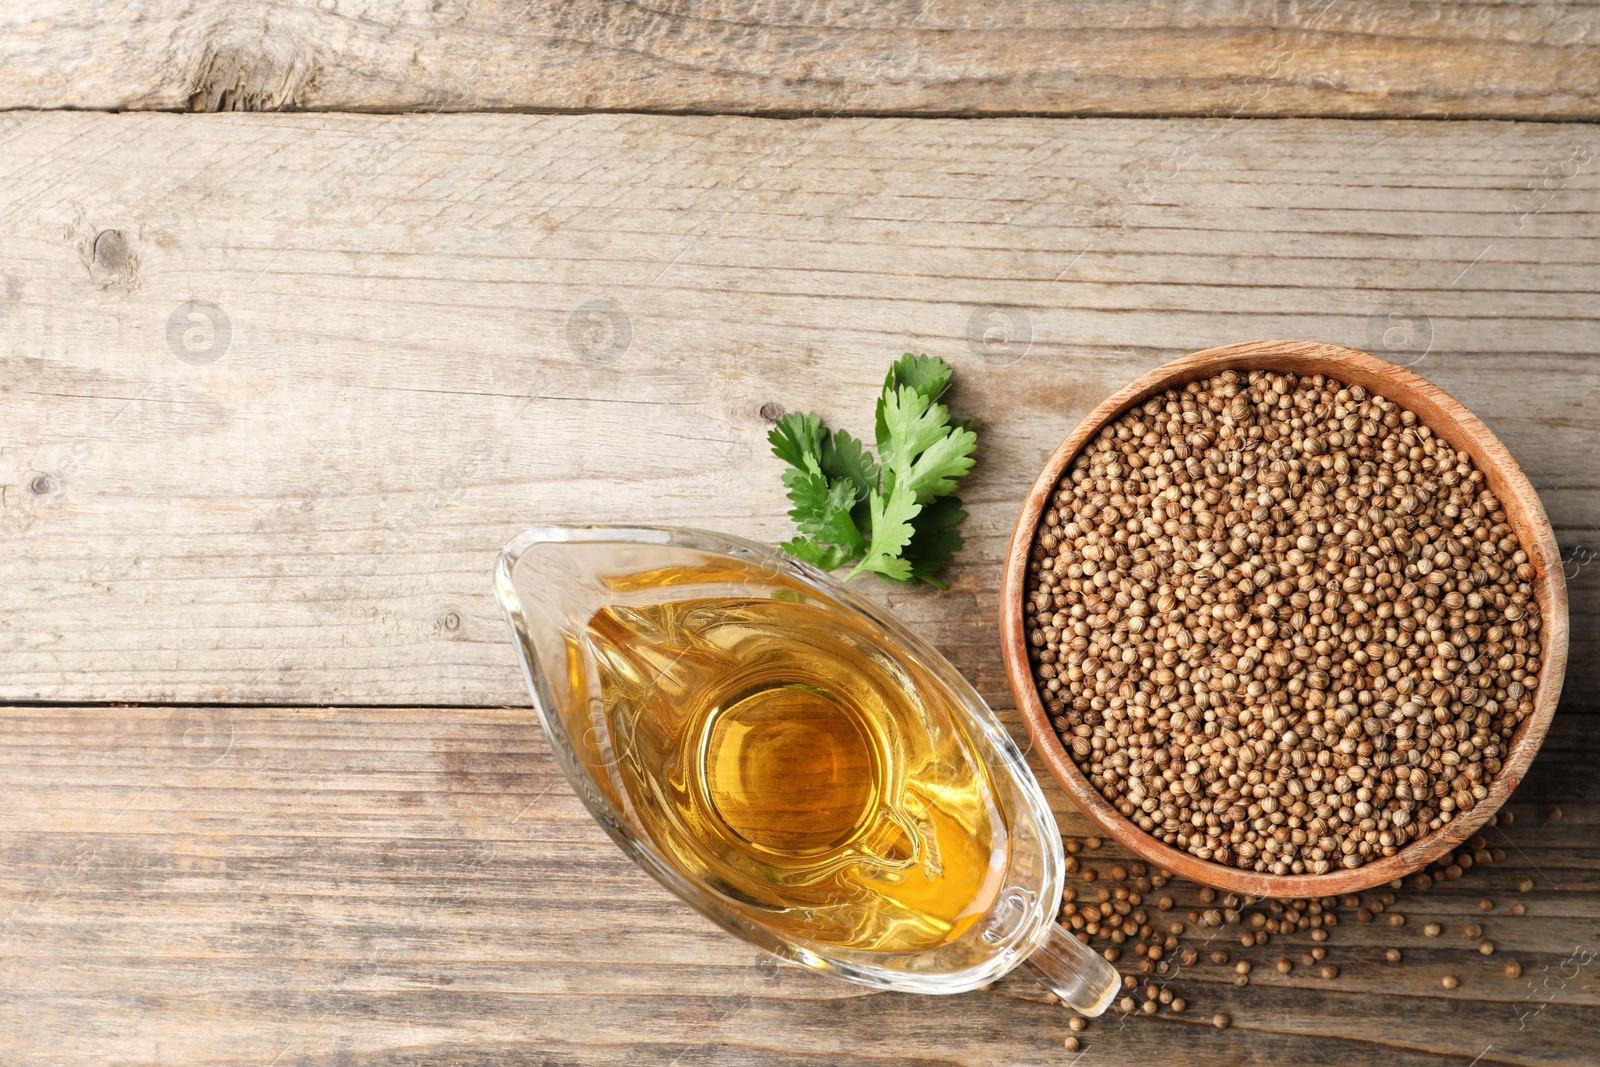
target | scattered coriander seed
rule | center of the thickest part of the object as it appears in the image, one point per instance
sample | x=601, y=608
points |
x=1207, y=894
x=1525, y=885
x=1243, y=966
x=1449, y=981
x=1396, y=919
x=1125, y=1005
x=1164, y=904
x=1091, y=843
x=1119, y=874
x=1088, y=874
x=1247, y=939
x=1329, y=971
x=1072, y=1044
x=1179, y=1004
x=1190, y=957
x=1073, y=845
x=1513, y=969
x=1431, y=930
x=1553, y=813
x=1221, y=1021
x=1284, y=966
x=1319, y=934
x=1077, y=1022
x=1219, y=957
x=1471, y=930
x=1150, y=1007
x=1485, y=905
x=1241, y=979
x=1486, y=947
x=1393, y=955
x=1518, y=908
x=1111, y=954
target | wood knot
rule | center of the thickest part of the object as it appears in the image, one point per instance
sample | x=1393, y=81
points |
x=112, y=256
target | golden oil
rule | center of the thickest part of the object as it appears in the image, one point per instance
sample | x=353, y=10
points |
x=772, y=751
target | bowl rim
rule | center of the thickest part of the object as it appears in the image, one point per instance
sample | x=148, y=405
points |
x=1449, y=419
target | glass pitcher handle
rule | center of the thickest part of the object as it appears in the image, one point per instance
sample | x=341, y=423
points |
x=1074, y=972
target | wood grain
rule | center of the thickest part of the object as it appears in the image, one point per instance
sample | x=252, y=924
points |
x=441, y=329
x=942, y=57
x=404, y=886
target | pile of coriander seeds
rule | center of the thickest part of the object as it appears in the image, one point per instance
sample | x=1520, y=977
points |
x=1279, y=623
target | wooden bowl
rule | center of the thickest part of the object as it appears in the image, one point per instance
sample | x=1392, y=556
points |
x=1451, y=421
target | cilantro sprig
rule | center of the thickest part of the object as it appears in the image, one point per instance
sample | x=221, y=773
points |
x=895, y=515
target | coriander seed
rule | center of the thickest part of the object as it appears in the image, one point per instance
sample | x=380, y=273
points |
x=1262, y=563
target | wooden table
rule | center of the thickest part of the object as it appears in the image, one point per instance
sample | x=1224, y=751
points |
x=277, y=387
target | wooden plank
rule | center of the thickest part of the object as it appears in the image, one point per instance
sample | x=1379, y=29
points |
x=1519, y=59
x=403, y=886
x=433, y=331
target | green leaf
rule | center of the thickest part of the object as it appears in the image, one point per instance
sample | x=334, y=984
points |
x=822, y=508
x=808, y=490
x=891, y=530
x=845, y=457
x=827, y=557
x=927, y=376
x=797, y=436
x=935, y=539
x=895, y=514
x=934, y=472
x=922, y=450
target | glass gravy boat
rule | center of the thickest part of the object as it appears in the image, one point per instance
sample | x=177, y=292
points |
x=908, y=849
